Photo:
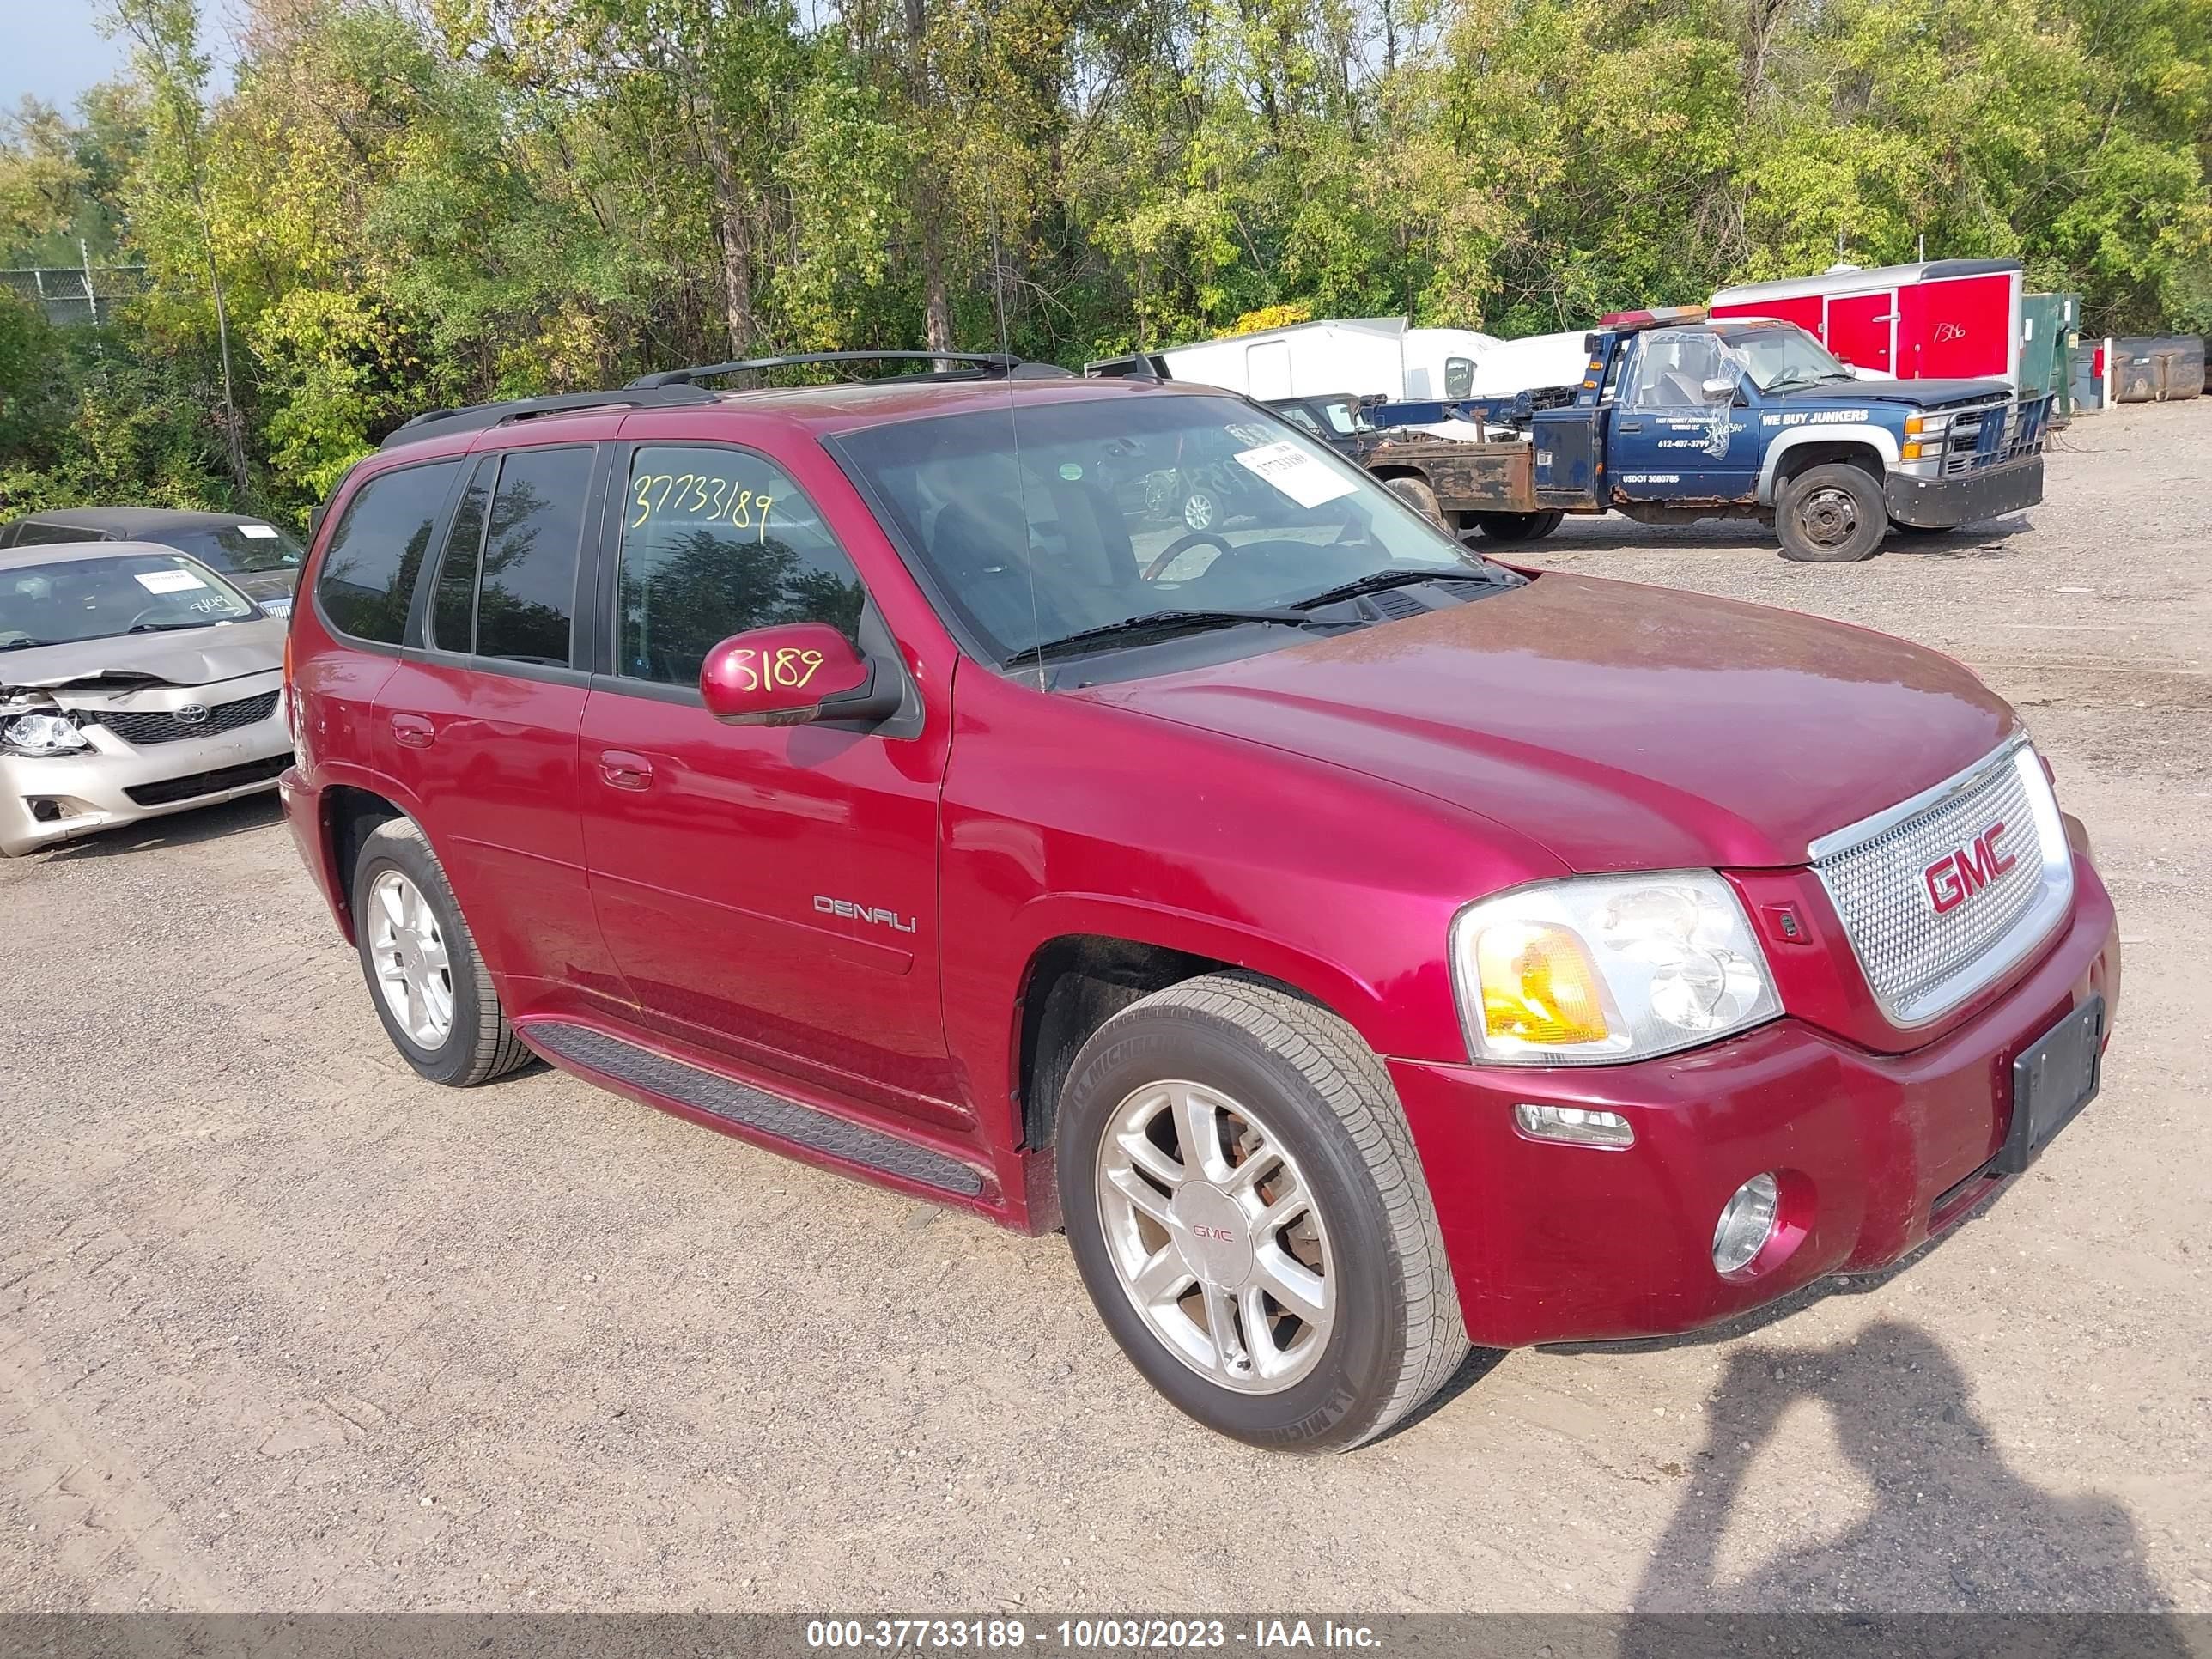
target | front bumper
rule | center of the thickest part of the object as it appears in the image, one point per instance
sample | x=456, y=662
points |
x=1553, y=1242
x=1942, y=503
x=48, y=799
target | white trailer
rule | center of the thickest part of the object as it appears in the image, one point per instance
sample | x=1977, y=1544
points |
x=1368, y=357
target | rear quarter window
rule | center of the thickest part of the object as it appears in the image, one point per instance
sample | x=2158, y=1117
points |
x=366, y=581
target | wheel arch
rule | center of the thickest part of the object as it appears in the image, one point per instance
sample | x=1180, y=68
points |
x=347, y=815
x=1871, y=448
x=1073, y=983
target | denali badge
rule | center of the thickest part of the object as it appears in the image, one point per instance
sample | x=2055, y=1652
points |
x=852, y=912
x=1957, y=876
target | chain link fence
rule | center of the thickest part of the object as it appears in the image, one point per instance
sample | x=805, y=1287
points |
x=76, y=296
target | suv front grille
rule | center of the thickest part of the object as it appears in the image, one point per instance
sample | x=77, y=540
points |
x=144, y=727
x=1887, y=875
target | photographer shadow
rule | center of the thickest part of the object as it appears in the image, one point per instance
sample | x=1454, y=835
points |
x=1953, y=1530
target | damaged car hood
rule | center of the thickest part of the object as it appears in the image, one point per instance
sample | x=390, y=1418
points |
x=201, y=656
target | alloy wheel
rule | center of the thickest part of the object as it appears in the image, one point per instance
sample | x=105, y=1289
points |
x=413, y=974
x=1215, y=1236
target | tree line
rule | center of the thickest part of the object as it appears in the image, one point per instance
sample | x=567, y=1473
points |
x=393, y=205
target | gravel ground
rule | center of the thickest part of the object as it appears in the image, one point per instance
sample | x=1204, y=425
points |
x=283, y=1328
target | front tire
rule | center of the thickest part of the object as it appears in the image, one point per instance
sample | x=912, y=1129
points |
x=1830, y=514
x=1201, y=508
x=1244, y=1203
x=430, y=987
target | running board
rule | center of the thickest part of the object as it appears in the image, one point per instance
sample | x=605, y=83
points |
x=752, y=1108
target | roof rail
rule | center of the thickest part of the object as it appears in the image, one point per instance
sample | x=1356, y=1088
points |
x=473, y=417
x=980, y=364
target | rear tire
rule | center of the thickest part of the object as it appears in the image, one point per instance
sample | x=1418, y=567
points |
x=1516, y=527
x=430, y=987
x=1830, y=514
x=1417, y=495
x=1270, y=1156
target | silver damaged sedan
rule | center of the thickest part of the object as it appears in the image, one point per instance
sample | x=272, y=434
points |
x=134, y=681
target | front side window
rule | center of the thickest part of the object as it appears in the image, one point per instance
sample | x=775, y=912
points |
x=367, y=577
x=526, y=589
x=715, y=542
x=70, y=600
x=1672, y=367
x=1105, y=511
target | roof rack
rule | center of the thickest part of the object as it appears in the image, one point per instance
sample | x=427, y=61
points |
x=474, y=416
x=979, y=365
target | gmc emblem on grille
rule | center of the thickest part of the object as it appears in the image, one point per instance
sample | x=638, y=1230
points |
x=1957, y=876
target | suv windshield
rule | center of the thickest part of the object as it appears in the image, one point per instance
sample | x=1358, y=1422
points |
x=1112, y=509
x=249, y=548
x=74, y=600
x=1774, y=358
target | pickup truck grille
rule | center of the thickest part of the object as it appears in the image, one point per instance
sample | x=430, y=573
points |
x=1993, y=435
x=144, y=727
x=1929, y=916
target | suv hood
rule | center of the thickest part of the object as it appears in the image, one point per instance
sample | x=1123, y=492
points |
x=1621, y=726
x=202, y=656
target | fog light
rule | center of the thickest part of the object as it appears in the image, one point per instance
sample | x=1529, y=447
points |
x=1747, y=1222
x=1576, y=1124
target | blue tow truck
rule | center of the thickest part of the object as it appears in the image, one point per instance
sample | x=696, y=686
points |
x=1680, y=418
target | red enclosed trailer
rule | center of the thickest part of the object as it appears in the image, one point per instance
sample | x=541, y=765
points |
x=1939, y=319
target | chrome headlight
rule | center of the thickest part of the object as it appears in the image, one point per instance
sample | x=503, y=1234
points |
x=43, y=733
x=1607, y=967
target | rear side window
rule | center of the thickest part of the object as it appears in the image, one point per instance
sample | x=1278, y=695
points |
x=53, y=535
x=454, y=608
x=368, y=575
x=526, y=591
x=715, y=542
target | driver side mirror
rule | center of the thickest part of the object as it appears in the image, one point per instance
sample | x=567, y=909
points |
x=792, y=675
x=1719, y=390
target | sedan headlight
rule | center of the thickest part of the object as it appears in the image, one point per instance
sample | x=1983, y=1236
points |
x=1607, y=967
x=41, y=734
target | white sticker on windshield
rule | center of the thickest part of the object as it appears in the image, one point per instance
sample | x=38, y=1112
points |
x=1300, y=476
x=168, y=581
x=259, y=531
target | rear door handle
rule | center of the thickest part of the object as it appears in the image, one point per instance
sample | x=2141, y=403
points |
x=621, y=769
x=413, y=731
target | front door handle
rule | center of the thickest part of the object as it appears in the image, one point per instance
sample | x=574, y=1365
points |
x=620, y=769
x=413, y=731
x=1631, y=426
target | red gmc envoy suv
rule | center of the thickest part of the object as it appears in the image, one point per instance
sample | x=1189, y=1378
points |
x=1360, y=949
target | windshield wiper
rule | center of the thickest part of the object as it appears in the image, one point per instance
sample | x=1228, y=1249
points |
x=24, y=644
x=1783, y=382
x=172, y=627
x=1375, y=582
x=1160, y=623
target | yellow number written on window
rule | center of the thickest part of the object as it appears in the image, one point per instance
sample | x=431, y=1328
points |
x=698, y=498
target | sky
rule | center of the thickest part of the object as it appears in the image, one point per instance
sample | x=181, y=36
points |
x=53, y=49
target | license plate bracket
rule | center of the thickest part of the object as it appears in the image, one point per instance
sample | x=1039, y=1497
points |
x=2052, y=1081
